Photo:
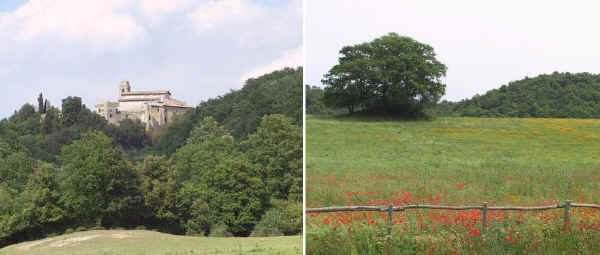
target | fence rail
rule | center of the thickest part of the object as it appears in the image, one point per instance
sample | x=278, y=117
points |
x=484, y=208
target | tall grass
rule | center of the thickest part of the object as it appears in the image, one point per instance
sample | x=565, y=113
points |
x=452, y=161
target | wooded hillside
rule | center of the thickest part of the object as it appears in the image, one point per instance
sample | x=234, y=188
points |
x=556, y=95
x=230, y=167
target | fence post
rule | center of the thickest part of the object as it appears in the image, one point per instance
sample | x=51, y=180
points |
x=567, y=219
x=484, y=218
x=390, y=210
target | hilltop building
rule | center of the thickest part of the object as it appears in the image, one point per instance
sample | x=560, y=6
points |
x=153, y=108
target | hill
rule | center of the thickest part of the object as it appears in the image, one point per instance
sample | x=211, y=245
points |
x=556, y=95
x=148, y=242
x=241, y=111
x=230, y=167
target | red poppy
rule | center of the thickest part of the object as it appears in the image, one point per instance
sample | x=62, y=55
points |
x=475, y=231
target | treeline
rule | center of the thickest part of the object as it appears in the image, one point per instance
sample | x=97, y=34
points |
x=241, y=111
x=230, y=167
x=556, y=95
x=42, y=132
x=315, y=102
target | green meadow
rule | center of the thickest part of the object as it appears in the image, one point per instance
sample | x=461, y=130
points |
x=108, y=242
x=452, y=161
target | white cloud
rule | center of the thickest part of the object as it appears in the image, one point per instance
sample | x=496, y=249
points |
x=290, y=58
x=156, y=7
x=118, y=23
x=214, y=13
x=197, y=48
x=103, y=22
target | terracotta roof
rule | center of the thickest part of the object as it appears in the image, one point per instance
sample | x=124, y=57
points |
x=137, y=93
x=147, y=99
x=170, y=102
x=174, y=102
x=156, y=101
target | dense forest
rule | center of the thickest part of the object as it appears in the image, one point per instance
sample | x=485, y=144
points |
x=556, y=95
x=232, y=166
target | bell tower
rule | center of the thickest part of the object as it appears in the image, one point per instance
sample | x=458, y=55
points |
x=125, y=87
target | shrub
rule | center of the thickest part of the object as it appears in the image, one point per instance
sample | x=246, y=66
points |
x=285, y=218
x=220, y=230
x=269, y=224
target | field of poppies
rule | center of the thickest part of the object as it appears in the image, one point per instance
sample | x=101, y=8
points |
x=452, y=161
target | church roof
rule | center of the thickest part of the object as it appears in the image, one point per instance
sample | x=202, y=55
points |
x=170, y=102
x=157, y=101
x=141, y=93
x=140, y=99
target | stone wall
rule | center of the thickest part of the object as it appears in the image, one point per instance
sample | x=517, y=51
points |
x=110, y=111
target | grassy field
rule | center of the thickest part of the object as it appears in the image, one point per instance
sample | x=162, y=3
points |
x=454, y=161
x=108, y=242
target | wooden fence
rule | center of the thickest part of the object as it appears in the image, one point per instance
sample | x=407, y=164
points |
x=484, y=209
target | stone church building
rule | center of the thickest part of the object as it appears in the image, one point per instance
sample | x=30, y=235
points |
x=153, y=108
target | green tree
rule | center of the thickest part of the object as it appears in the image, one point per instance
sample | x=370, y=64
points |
x=129, y=134
x=99, y=187
x=220, y=185
x=556, y=95
x=51, y=121
x=15, y=169
x=392, y=74
x=240, y=111
x=71, y=106
x=276, y=151
x=39, y=205
x=41, y=108
x=29, y=207
x=158, y=183
x=314, y=100
x=27, y=111
x=8, y=214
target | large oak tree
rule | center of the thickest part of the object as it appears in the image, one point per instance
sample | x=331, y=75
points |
x=392, y=74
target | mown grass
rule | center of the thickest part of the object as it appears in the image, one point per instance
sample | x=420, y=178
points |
x=454, y=161
x=105, y=242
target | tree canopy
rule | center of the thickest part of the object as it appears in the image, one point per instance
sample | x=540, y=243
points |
x=240, y=111
x=98, y=185
x=390, y=75
x=556, y=95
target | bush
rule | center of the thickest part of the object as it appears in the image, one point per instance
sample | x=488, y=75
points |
x=285, y=218
x=220, y=230
x=195, y=228
x=269, y=224
x=292, y=221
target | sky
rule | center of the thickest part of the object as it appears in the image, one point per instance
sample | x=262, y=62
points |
x=484, y=44
x=197, y=49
